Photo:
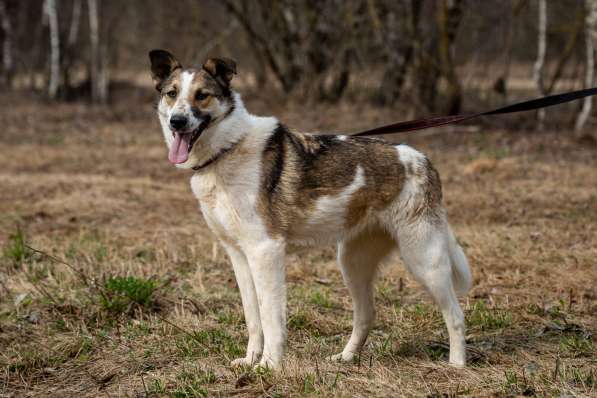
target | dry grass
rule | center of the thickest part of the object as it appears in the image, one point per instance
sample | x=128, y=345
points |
x=92, y=187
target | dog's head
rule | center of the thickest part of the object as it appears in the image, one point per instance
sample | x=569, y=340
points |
x=191, y=102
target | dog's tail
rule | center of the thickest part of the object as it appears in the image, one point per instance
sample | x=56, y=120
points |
x=461, y=272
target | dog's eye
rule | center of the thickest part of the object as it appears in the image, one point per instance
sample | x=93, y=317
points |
x=171, y=93
x=201, y=96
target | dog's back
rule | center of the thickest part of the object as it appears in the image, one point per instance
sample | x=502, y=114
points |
x=320, y=188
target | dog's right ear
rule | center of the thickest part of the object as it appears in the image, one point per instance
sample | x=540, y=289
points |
x=162, y=65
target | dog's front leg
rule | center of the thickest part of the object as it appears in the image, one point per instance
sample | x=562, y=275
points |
x=266, y=260
x=250, y=306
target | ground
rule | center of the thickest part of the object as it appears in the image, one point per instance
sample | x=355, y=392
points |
x=139, y=300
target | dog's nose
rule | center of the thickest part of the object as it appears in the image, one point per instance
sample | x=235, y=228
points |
x=177, y=122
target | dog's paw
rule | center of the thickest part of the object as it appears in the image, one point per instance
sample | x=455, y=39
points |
x=457, y=364
x=267, y=363
x=342, y=357
x=242, y=362
x=458, y=358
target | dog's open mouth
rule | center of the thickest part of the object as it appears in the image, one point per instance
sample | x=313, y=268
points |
x=183, y=143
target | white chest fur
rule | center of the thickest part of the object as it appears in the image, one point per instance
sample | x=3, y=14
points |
x=223, y=206
x=228, y=197
x=227, y=190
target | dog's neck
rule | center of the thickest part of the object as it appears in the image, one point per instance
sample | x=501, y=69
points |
x=235, y=122
x=237, y=129
x=224, y=134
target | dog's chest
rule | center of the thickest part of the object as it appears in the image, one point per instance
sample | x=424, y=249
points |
x=228, y=207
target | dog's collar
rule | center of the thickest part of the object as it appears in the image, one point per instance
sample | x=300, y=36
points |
x=216, y=157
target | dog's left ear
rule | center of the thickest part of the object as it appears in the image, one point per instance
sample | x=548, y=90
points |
x=162, y=65
x=221, y=69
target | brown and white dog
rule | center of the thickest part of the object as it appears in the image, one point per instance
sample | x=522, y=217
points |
x=262, y=187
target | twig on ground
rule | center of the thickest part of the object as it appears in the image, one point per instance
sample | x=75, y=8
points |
x=80, y=273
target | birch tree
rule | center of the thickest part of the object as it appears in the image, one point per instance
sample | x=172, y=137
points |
x=7, y=55
x=71, y=41
x=590, y=39
x=98, y=72
x=52, y=19
x=540, y=61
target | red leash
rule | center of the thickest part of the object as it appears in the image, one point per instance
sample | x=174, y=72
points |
x=420, y=124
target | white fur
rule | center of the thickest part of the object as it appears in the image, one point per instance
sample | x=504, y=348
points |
x=228, y=193
x=325, y=224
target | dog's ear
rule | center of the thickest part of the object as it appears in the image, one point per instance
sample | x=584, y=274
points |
x=162, y=65
x=221, y=69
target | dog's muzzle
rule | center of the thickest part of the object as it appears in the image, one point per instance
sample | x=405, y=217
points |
x=183, y=142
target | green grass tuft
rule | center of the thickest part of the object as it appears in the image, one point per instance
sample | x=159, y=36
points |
x=120, y=292
x=577, y=346
x=321, y=299
x=485, y=318
x=202, y=343
x=15, y=250
x=191, y=383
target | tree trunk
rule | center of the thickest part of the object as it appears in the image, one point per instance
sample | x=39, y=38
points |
x=590, y=38
x=449, y=16
x=98, y=76
x=568, y=51
x=52, y=18
x=69, y=50
x=500, y=85
x=7, y=55
x=73, y=32
x=398, y=48
x=540, y=62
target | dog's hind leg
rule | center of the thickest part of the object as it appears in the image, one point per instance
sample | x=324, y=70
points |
x=359, y=258
x=250, y=306
x=425, y=247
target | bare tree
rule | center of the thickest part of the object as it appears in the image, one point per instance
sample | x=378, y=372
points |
x=540, y=61
x=590, y=40
x=69, y=53
x=313, y=45
x=330, y=48
x=434, y=56
x=395, y=30
x=449, y=17
x=98, y=72
x=569, y=49
x=52, y=20
x=280, y=49
x=501, y=83
x=75, y=22
x=7, y=43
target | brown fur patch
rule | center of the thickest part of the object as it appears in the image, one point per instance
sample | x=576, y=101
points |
x=171, y=83
x=298, y=169
x=204, y=83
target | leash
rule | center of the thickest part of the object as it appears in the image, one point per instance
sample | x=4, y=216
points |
x=421, y=124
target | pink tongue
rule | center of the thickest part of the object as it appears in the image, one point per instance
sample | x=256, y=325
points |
x=179, y=150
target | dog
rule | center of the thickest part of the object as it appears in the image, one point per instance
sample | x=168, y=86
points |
x=262, y=186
